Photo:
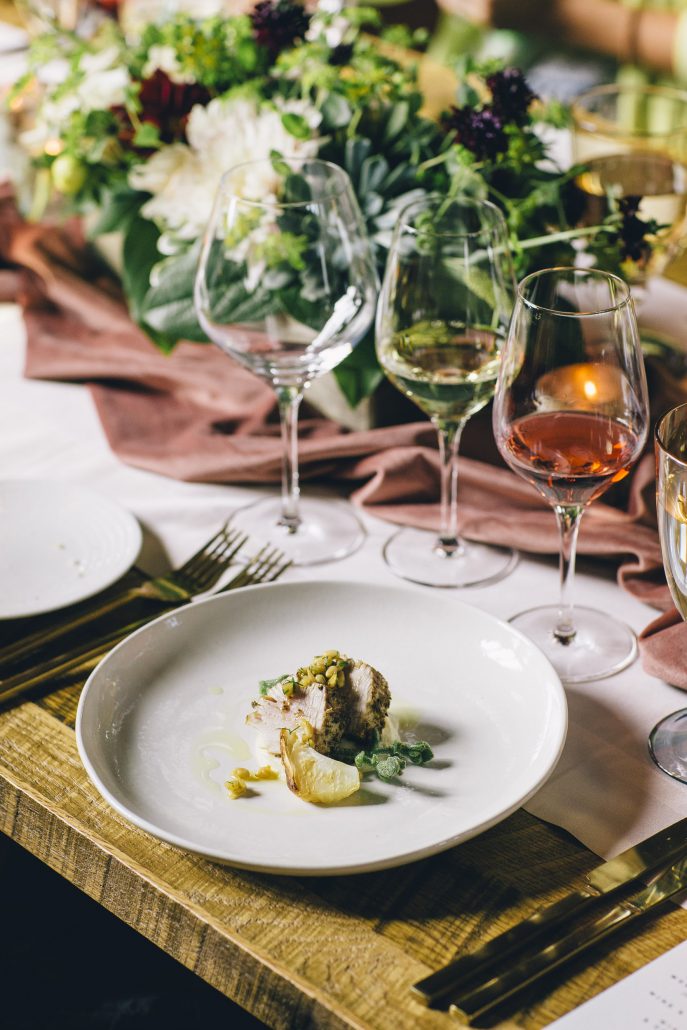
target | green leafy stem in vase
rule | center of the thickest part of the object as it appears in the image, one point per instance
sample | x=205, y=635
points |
x=145, y=119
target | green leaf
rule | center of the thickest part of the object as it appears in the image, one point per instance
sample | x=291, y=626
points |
x=356, y=151
x=310, y=313
x=373, y=172
x=390, y=767
x=359, y=374
x=336, y=112
x=167, y=305
x=363, y=761
x=147, y=135
x=266, y=685
x=417, y=753
x=296, y=125
x=397, y=121
x=280, y=166
x=177, y=319
x=140, y=255
x=117, y=210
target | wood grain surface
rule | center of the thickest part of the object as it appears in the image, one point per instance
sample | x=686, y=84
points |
x=330, y=952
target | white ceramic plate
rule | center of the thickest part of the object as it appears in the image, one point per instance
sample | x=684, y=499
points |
x=59, y=543
x=160, y=725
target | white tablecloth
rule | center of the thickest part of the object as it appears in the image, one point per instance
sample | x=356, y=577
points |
x=605, y=790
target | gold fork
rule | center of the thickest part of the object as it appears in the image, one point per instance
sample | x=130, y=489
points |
x=199, y=574
x=267, y=565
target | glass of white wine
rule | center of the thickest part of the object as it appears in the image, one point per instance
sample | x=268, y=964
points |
x=442, y=317
x=668, y=740
x=632, y=139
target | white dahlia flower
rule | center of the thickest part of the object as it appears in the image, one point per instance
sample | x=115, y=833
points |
x=183, y=178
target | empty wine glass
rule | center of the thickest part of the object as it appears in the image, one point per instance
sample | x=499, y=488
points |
x=668, y=740
x=441, y=321
x=571, y=416
x=286, y=285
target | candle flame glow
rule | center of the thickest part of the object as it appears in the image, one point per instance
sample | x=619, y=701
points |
x=590, y=389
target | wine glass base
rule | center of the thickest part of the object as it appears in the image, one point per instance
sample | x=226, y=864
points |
x=601, y=646
x=668, y=745
x=412, y=554
x=328, y=530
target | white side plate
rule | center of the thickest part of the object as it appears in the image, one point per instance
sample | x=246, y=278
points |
x=59, y=543
x=160, y=725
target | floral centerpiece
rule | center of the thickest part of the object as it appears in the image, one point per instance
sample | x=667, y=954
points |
x=139, y=131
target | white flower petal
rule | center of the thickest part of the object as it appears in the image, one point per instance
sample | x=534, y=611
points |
x=183, y=179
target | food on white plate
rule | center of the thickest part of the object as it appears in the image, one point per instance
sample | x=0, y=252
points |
x=236, y=787
x=311, y=775
x=330, y=724
x=336, y=695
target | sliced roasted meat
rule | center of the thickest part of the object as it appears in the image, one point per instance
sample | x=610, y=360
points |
x=369, y=700
x=326, y=708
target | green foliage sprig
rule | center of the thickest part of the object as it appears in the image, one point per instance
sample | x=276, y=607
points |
x=370, y=120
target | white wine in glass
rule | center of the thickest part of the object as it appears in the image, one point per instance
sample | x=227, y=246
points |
x=632, y=137
x=441, y=322
x=668, y=740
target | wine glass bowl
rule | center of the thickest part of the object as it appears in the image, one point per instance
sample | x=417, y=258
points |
x=286, y=285
x=570, y=416
x=441, y=321
x=632, y=139
x=668, y=739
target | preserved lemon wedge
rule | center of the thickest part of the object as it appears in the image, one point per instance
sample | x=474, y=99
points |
x=310, y=775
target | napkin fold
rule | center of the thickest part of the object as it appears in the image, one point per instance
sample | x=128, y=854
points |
x=198, y=416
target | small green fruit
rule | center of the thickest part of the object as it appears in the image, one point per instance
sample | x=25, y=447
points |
x=68, y=174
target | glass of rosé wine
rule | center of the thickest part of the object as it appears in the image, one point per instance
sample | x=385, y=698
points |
x=571, y=417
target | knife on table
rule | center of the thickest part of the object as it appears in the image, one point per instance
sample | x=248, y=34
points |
x=474, y=1002
x=602, y=882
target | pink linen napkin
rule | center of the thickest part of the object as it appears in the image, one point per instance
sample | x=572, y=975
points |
x=196, y=415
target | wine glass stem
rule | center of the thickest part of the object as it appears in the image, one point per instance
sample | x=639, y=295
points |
x=289, y=398
x=448, y=543
x=568, y=524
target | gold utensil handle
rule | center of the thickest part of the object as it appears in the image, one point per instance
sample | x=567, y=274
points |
x=476, y=1001
x=22, y=683
x=40, y=638
x=474, y=967
x=606, y=879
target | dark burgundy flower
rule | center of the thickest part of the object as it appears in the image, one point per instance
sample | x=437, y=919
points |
x=481, y=131
x=341, y=54
x=165, y=104
x=633, y=232
x=277, y=24
x=510, y=95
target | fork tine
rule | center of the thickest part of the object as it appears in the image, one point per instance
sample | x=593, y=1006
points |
x=258, y=568
x=206, y=570
x=280, y=570
x=207, y=547
x=270, y=563
x=253, y=566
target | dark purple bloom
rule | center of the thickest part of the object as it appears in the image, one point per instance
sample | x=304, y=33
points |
x=341, y=54
x=481, y=131
x=633, y=232
x=277, y=24
x=510, y=95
